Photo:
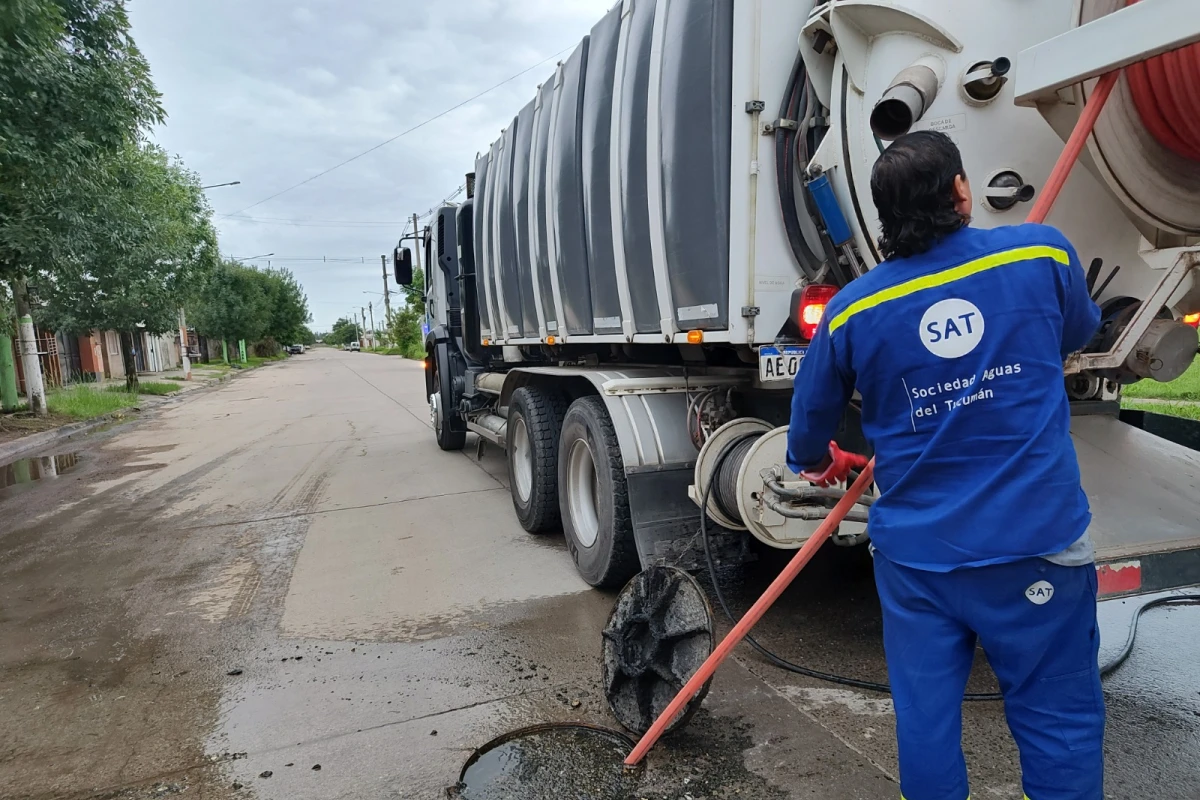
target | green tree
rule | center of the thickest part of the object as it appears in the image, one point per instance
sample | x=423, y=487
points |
x=73, y=89
x=233, y=304
x=343, y=333
x=149, y=242
x=289, y=307
x=405, y=329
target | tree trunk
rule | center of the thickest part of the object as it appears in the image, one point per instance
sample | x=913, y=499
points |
x=35, y=389
x=127, y=357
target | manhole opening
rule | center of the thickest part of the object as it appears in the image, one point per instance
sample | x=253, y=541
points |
x=572, y=761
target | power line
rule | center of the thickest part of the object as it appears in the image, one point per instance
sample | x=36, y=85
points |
x=402, y=134
x=325, y=259
x=316, y=224
x=429, y=213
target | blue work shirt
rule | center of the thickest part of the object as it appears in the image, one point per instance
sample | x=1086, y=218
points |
x=957, y=354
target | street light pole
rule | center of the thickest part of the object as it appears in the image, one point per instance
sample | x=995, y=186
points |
x=219, y=185
x=371, y=308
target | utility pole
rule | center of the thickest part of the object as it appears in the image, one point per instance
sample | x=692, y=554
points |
x=420, y=240
x=371, y=308
x=8, y=374
x=387, y=298
x=35, y=390
x=183, y=346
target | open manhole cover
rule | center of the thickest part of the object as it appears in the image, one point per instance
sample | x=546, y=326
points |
x=658, y=634
x=572, y=761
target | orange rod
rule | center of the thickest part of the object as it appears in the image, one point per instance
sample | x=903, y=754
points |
x=1079, y=137
x=802, y=557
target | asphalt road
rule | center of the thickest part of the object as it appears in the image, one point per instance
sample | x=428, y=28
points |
x=286, y=572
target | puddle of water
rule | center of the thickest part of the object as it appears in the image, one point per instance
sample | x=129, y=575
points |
x=28, y=470
x=550, y=762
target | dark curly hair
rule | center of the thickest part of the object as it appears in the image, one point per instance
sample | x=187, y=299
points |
x=912, y=184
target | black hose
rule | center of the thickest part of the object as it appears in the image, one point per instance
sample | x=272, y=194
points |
x=785, y=154
x=725, y=477
x=841, y=680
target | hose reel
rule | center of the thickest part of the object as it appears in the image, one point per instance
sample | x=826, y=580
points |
x=753, y=491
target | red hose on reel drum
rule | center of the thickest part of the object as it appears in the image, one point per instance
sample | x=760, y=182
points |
x=1166, y=92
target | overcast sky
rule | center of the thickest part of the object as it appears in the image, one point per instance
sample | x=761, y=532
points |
x=271, y=92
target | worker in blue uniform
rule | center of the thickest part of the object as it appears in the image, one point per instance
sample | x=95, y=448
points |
x=979, y=534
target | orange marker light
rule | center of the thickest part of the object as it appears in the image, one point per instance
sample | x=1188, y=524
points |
x=550, y=340
x=1192, y=319
x=424, y=364
x=695, y=337
x=486, y=342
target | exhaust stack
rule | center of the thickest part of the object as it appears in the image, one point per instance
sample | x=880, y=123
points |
x=907, y=98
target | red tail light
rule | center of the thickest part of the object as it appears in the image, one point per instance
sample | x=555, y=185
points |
x=811, y=308
x=1192, y=319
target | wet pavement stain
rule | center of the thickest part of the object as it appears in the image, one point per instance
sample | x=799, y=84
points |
x=549, y=762
x=36, y=468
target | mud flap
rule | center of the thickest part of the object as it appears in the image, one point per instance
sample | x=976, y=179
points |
x=666, y=523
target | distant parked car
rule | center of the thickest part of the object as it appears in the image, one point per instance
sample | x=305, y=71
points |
x=296, y=349
x=355, y=347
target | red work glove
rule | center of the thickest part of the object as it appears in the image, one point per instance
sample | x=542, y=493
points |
x=835, y=468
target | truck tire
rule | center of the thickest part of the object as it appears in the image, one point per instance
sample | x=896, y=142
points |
x=535, y=418
x=449, y=430
x=593, y=496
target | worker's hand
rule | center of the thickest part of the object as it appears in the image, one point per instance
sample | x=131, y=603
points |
x=835, y=468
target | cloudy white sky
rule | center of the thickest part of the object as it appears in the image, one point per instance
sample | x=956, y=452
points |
x=271, y=92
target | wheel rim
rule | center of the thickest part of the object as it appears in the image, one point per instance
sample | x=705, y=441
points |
x=435, y=411
x=522, y=462
x=582, y=492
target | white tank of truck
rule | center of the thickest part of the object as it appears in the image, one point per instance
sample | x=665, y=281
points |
x=624, y=299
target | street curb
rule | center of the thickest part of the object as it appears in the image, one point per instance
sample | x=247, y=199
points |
x=37, y=441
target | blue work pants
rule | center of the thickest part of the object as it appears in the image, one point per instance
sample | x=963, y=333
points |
x=1036, y=622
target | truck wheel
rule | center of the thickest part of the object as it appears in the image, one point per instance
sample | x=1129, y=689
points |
x=593, y=497
x=535, y=418
x=450, y=436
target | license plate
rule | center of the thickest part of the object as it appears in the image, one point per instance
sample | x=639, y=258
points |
x=779, y=363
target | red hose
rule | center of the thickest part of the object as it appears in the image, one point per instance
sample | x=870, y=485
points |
x=1166, y=92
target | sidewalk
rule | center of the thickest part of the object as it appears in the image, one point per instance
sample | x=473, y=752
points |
x=16, y=443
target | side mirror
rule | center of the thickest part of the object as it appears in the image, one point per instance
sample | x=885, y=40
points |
x=402, y=258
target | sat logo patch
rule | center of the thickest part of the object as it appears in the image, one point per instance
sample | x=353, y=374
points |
x=951, y=328
x=1040, y=593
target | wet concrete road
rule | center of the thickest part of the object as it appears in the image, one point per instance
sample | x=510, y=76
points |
x=286, y=574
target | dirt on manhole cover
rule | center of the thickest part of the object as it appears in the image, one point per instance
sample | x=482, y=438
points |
x=549, y=762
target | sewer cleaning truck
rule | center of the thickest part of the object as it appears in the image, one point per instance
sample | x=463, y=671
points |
x=624, y=298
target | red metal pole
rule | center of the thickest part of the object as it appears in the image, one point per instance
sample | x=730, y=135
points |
x=798, y=562
x=1070, y=154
